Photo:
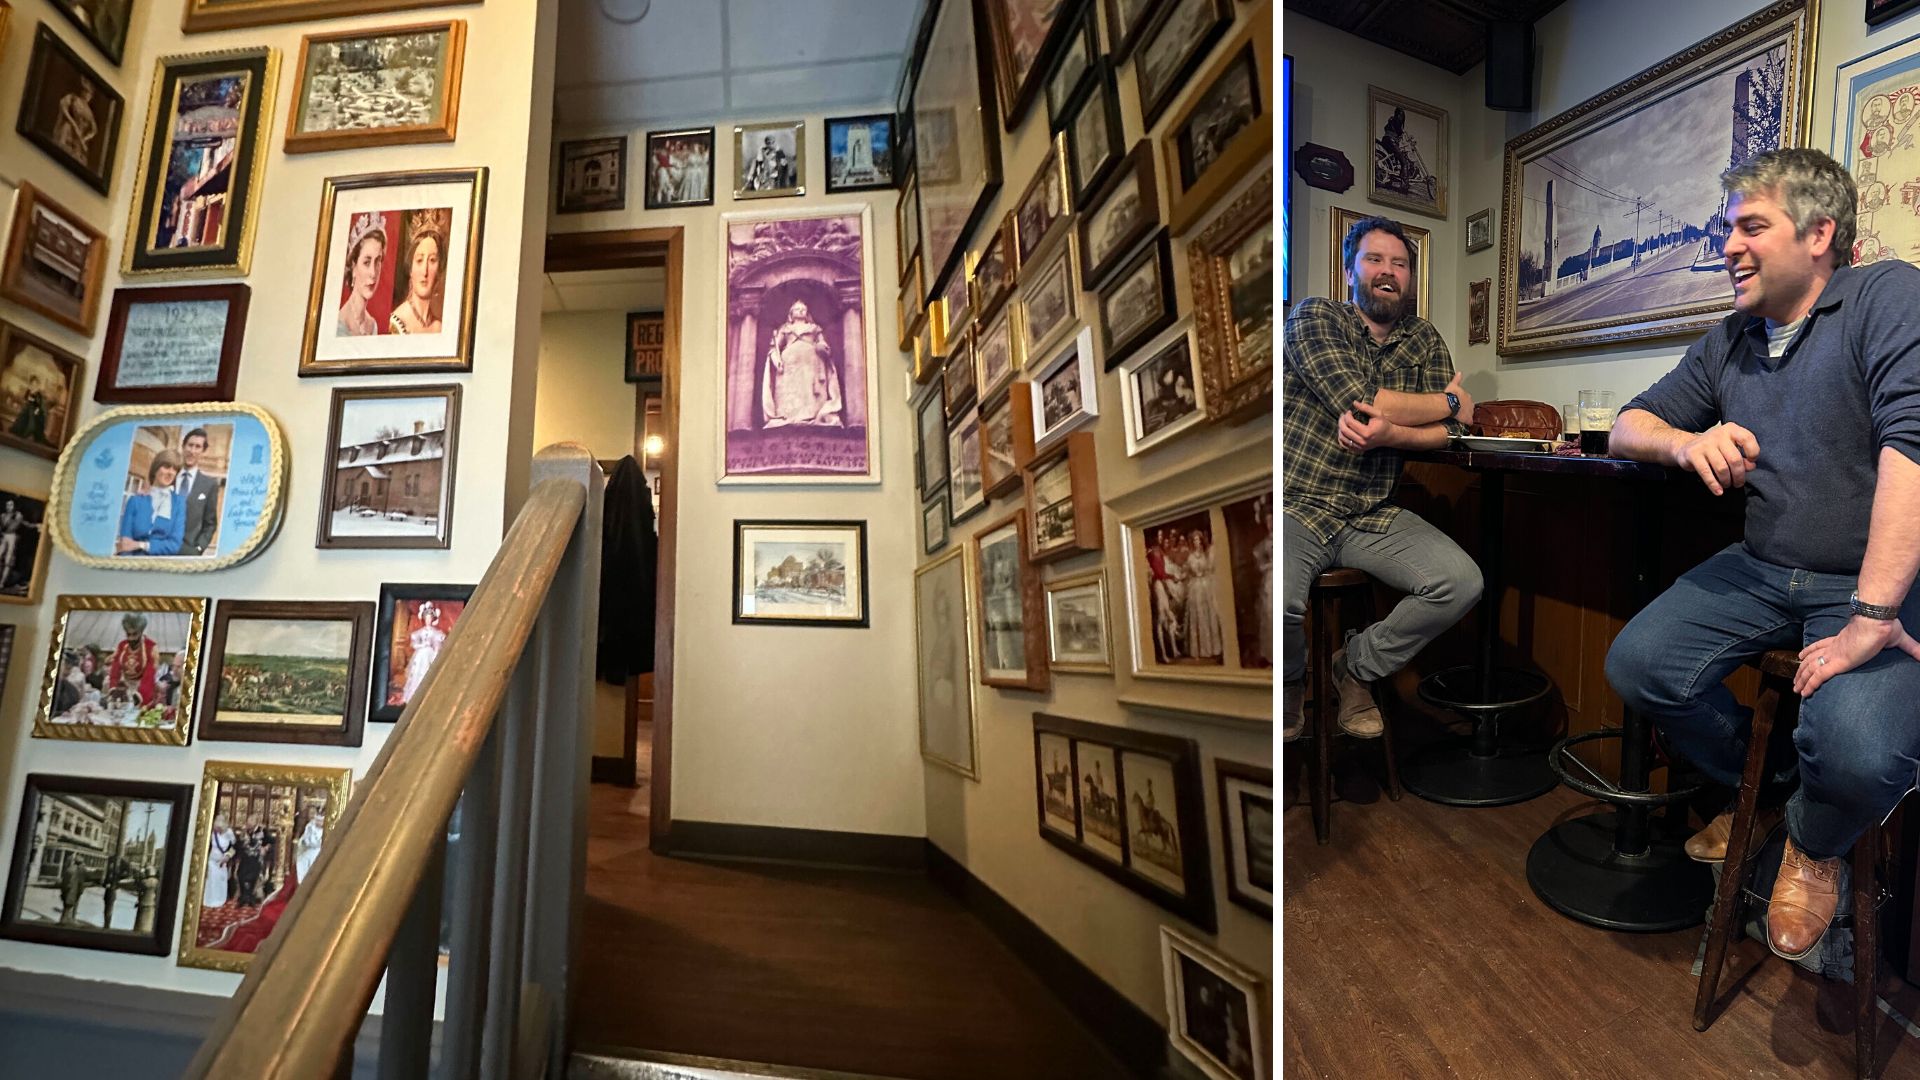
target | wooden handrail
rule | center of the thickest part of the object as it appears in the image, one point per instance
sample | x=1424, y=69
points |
x=308, y=987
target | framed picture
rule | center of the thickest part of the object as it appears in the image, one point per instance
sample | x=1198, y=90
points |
x=942, y=631
x=390, y=469
x=992, y=271
x=1343, y=219
x=1160, y=391
x=197, y=192
x=1480, y=231
x=122, y=669
x=96, y=863
x=646, y=346
x=1548, y=284
x=994, y=357
x=287, y=672
x=913, y=308
x=1410, y=153
x=1479, y=302
x=1172, y=47
x=1199, y=576
x=1049, y=300
x=1077, y=624
x=1000, y=454
x=385, y=87
x=1880, y=11
x=103, y=22
x=800, y=573
x=1230, y=268
x=906, y=225
x=1095, y=145
x=962, y=376
x=769, y=160
x=179, y=489
x=956, y=140
x=1871, y=113
x=859, y=153
x=1125, y=211
x=1013, y=649
x=593, y=175
x=933, y=523
x=1246, y=833
x=172, y=344
x=256, y=838
x=1041, y=215
x=1079, y=53
x=396, y=270
x=1126, y=21
x=679, y=168
x=966, y=486
x=54, y=261
x=930, y=442
x=206, y=15
x=68, y=110
x=1225, y=129
x=39, y=386
x=956, y=305
x=1137, y=807
x=800, y=341
x=1026, y=34
x=1216, y=1016
x=23, y=554
x=1063, y=500
x=1137, y=302
x=414, y=621
x=1064, y=392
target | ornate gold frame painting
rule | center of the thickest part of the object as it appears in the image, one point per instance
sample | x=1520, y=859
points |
x=1231, y=268
x=122, y=669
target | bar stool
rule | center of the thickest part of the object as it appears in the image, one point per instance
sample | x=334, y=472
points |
x=1326, y=601
x=1777, y=700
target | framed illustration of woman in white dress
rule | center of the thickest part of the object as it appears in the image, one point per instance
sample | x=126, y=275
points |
x=415, y=622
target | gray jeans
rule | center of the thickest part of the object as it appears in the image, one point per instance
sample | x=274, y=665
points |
x=1440, y=581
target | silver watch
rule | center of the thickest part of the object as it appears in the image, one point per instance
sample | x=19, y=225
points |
x=1883, y=612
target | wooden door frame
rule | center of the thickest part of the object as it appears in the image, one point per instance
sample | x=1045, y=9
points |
x=620, y=249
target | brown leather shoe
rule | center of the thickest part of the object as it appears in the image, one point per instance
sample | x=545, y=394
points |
x=1293, y=710
x=1804, y=897
x=1709, y=845
x=1359, y=714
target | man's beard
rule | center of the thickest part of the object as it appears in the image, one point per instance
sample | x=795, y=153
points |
x=1385, y=309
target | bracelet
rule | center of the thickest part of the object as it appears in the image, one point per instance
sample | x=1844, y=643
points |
x=1882, y=612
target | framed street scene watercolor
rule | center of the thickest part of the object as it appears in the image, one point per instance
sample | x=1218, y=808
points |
x=593, y=175
x=97, y=863
x=943, y=638
x=1122, y=213
x=1172, y=47
x=1409, y=153
x=800, y=573
x=54, y=261
x=1064, y=392
x=384, y=87
x=122, y=669
x=1216, y=1014
x=1159, y=391
x=859, y=153
x=966, y=487
x=390, y=467
x=23, y=551
x=1198, y=579
x=679, y=168
x=414, y=621
x=69, y=111
x=1230, y=265
x=1077, y=624
x=956, y=140
x=172, y=344
x=1225, y=129
x=933, y=524
x=1137, y=302
x=396, y=271
x=1013, y=648
x=257, y=835
x=1049, y=300
x=1246, y=833
x=769, y=160
x=103, y=22
x=287, y=672
x=1063, y=500
x=39, y=388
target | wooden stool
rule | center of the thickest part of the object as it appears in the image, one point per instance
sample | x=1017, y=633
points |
x=1777, y=700
x=1325, y=600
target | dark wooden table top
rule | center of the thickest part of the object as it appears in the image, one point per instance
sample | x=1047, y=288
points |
x=1557, y=464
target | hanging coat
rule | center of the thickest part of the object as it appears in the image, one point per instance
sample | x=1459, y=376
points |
x=628, y=555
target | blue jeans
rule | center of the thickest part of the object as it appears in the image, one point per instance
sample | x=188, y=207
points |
x=1859, y=736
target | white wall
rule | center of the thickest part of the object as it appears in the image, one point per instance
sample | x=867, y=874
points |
x=584, y=394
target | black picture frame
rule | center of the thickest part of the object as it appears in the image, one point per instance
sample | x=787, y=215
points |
x=1232, y=854
x=1102, y=93
x=1194, y=902
x=930, y=404
x=48, y=48
x=341, y=457
x=650, y=194
x=1882, y=11
x=349, y=732
x=392, y=595
x=100, y=30
x=1081, y=28
x=891, y=180
x=41, y=786
x=1197, y=46
x=582, y=202
x=937, y=508
x=1097, y=265
x=653, y=325
x=984, y=106
x=1158, y=251
x=1122, y=35
x=741, y=616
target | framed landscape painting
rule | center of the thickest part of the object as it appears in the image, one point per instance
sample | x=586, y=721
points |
x=287, y=672
x=385, y=87
x=800, y=573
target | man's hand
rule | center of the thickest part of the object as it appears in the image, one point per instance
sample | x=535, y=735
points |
x=1360, y=436
x=1465, y=415
x=1856, y=643
x=1721, y=456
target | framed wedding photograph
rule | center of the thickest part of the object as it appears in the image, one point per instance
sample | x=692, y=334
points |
x=769, y=160
x=800, y=573
x=414, y=621
x=1049, y=300
x=1000, y=454
x=1013, y=648
x=1075, y=64
x=1041, y=216
x=1064, y=392
x=54, y=261
x=387, y=87
x=122, y=669
x=1410, y=160
x=1125, y=211
x=1137, y=302
x=1246, y=833
x=943, y=640
x=196, y=194
x=396, y=272
x=1217, y=624
x=390, y=468
x=966, y=487
x=860, y=153
x=1063, y=500
x=933, y=524
x=930, y=442
x=1077, y=624
x=69, y=111
x=287, y=672
x=679, y=168
x=172, y=344
x=39, y=387
x=1230, y=267
x=593, y=175
x=1216, y=1013
x=1224, y=129
x=956, y=138
x=23, y=552
x=103, y=22
x=1095, y=144
x=97, y=863
x=1159, y=391
x=1172, y=48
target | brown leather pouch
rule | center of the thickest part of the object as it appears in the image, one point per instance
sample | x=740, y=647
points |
x=1516, y=418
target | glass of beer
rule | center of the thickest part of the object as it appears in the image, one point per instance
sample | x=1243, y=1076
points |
x=1596, y=421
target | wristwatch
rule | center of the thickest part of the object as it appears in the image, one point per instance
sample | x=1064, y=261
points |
x=1453, y=404
x=1883, y=612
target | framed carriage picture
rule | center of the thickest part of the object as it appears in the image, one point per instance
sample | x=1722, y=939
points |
x=103, y=22
x=1224, y=129
x=287, y=672
x=23, y=549
x=679, y=168
x=68, y=110
x=860, y=153
x=769, y=160
x=39, y=389
x=122, y=669
x=1160, y=391
x=1077, y=624
x=593, y=175
x=1137, y=302
x=172, y=344
x=1013, y=648
x=1198, y=581
x=1172, y=46
x=389, y=474
x=414, y=621
x=800, y=573
x=54, y=261
x=943, y=639
x=1217, y=1016
x=385, y=87
x=1246, y=833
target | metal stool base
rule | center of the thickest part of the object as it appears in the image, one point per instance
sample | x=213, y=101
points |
x=1574, y=869
x=1447, y=772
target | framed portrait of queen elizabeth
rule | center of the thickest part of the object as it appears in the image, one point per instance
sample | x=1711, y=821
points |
x=396, y=270
x=799, y=344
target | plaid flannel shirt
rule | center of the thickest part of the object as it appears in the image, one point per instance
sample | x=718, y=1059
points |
x=1331, y=361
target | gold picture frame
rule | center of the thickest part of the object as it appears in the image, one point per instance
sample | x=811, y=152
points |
x=203, y=16
x=1233, y=309
x=62, y=694
x=33, y=291
x=439, y=128
x=1222, y=642
x=1192, y=187
x=958, y=686
x=1343, y=219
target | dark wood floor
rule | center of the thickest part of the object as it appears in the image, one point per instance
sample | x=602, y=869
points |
x=1413, y=947
x=862, y=972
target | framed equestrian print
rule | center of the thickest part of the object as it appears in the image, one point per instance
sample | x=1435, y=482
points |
x=287, y=672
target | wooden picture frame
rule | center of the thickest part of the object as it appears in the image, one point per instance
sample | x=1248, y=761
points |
x=1063, y=500
x=435, y=119
x=1049, y=300
x=1096, y=141
x=1012, y=619
x=906, y=226
x=1044, y=212
x=1020, y=83
x=1124, y=28
x=54, y=261
x=177, y=343
x=996, y=353
x=966, y=485
x=943, y=619
x=1161, y=391
x=89, y=821
x=663, y=190
x=1233, y=311
x=203, y=16
x=348, y=661
x=23, y=562
x=956, y=133
x=761, y=173
x=105, y=24
x=1225, y=129
x=40, y=121
x=1125, y=211
x=1407, y=181
x=792, y=578
x=1242, y=789
x=1142, y=291
x=1210, y=634
x=591, y=175
x=1077, y=60
x=1064, y=393
x=1078, y=639
x=933, y=523
x=438, y=608
x=961, y=376
x=100, y=685
x=42, y=422
x=877, y=173
x=1000, y=454
x=363, y=468
x=1171, y=49
x=990, y=273
x=1231, y=1043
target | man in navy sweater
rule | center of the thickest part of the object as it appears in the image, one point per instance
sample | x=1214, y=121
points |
x=1807, y=396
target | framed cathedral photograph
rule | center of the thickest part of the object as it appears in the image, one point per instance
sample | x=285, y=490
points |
x=287, y=672
x=384, y=87
x=68, y=110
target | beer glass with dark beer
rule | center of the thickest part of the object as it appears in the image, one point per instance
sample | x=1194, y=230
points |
x=1596, y=421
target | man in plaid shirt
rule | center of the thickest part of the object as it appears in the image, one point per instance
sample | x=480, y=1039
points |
x=1363, y=382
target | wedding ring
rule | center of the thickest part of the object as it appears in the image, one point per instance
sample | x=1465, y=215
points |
x=1823, y=661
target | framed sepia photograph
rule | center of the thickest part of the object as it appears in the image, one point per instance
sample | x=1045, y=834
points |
x=54, y=261
x=1000, y=453
x=1224, y=129
x=1409, y=153
x=1013, y=648
x=396, y=273
x=1026, y=34
x=1159, y=390
x=994, y=356
x=1125, y=211
x=68, y=110
x=412, y=629
x=966, y=486
x=1216, y=1015
x=390, y=469
x=1042, y=214
x=103, y=22
x=943, y=639
x=1077, y=624
x=206, y=15
x=39, y=388
x=769, y=160
x=860, y=153
x=172, y=344
x=1198, y=579
x=906, y=224
x=1063, y=500
x=23, y=553
x=1137, y=302
x=1073, y=66
x=593, y=175
x=992, y=271
x=287, y=672
x=1095, y=144
x=197, y=191
x=387, y=87
x=1230, y=270
x=679, y=168
x=257, y=836
x=800, y=573
x=961, y=378
x=646, y=347
x=97, y=863
x=1172, y=47
x=933, y=523
x=1053, y=769
x=1064, y=392
x=1049, y=300
x=956, y=140
x=1246, y=833
x=122, y=669
x=930, y=442
x=1126, y=21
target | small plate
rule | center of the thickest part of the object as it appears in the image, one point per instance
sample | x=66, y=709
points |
x=1511, y=446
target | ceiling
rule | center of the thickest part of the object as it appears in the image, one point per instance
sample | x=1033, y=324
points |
x=697, y=61
x=639, y=289
x=1445, y=33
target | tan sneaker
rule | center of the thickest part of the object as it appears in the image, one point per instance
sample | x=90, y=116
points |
x=1709, y=845
x=1293, y=711
x=1359, y=714
x=1805, y=895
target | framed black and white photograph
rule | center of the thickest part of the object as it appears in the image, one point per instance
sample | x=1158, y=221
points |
x=992, y=271
x=103, y=22
x=414, y=622
x=1049, y=300
x=933, y=524
x=1125, y=211
x=39, y=392
x=69, y=111
x=956, y=135
x=994, y=357
x=1126, y=21
x=1095, y=143
x=1001, y=454
x=966, y=486
x=23, y=546
x=1073, y=66
x=97, y=863
x=390, y=468
x=1216, y=1012
x=930, y=442
x=860, y=153
x=593, y=175
x=1041, y=215
x=1064, y=392
x=1480, y=231
x=387, y=87
x=1137, y=302
x=1410, y=153
x=1063, y=500
x=1013, y=648
x=679, y=168
x=961, y=377
x=1224, y=129
x=769, y=160
x=1159, y=390
x=906, y=224
x=1246, y=833
x=287, y=671
x=800, y=573
x=172, y=344
x=1077, y=624
x=1173, y=47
